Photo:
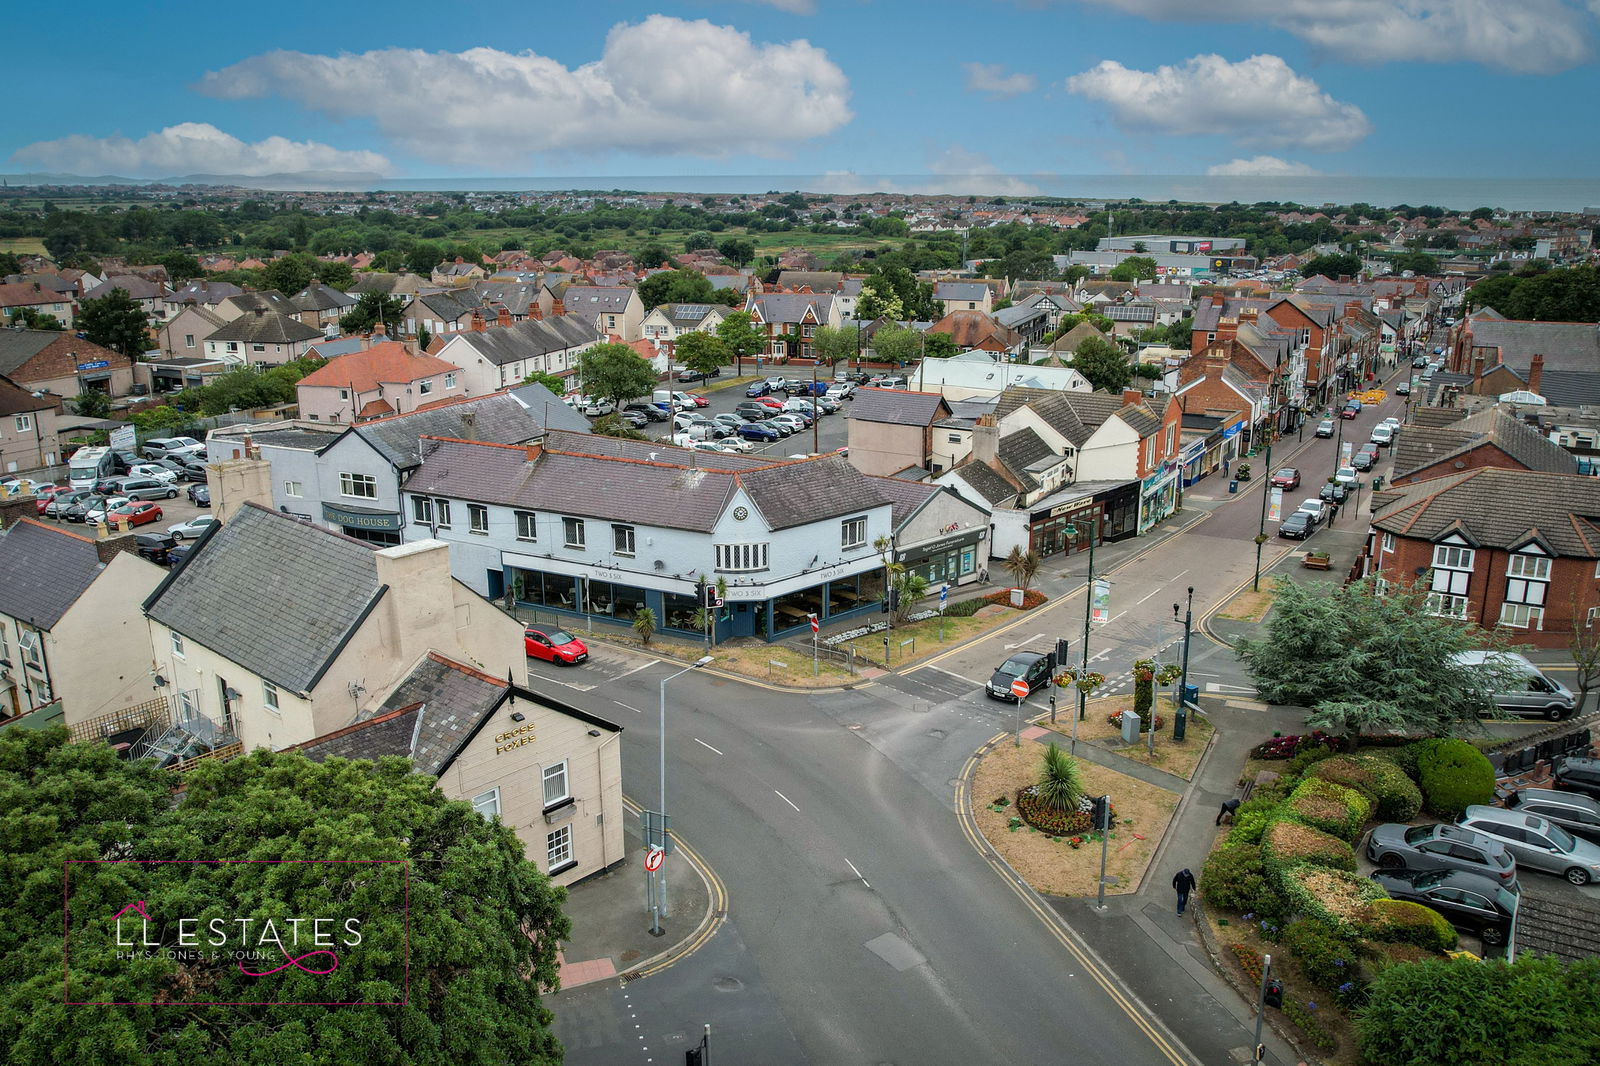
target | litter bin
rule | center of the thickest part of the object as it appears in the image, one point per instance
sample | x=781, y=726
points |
x=1191, y=693
x=1377, y=484
x=1233, y=484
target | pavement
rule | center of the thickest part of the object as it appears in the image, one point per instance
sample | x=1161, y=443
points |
x=611, y=920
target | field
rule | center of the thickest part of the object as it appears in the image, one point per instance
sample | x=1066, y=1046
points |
x=22, y=245
x=824, y=244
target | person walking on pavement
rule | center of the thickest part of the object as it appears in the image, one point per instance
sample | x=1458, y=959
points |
x=1184, y=882
x=1229, y=806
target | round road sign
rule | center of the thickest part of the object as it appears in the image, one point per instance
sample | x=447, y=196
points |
x=1020, y=689
x=653, y=859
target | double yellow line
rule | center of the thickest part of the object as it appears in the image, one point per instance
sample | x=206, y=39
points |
x=1051, y=921
x=716, y=914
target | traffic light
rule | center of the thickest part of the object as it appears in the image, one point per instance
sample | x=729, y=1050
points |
x=1063, y=651
x=701, y=591
x=894, y=599
x=1102, y=812
x=710, y=598
x=694, y=1057
x=1274, y=994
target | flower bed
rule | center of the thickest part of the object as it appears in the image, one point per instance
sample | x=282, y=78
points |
x=1047, y=819
x=1290, y=746
x=1030, y=599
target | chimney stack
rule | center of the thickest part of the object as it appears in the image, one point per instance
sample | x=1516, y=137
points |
x=559, y=307
x=503, y=317
x=460, y=260
x=985, y=440
x=534, y=451
x=469, y=425
x=1131, y=397
x=1216, y=299
x=535, y=311
x=478, y=324
x=1535, y=373
x=378, y=331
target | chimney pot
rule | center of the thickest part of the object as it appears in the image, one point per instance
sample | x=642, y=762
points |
x=478, y=324
x=503, y=317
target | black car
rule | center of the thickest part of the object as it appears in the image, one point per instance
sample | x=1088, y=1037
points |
x=1403, y=389
x=1033, y=667
x=687, y=374
x=200, y=495
x=80, y=508
x=1333, y=492
x=122, y=462
x=1575, y=774
x=1470, y=902
x=1297, y=526
x=650, y=411
x=61, y=502
x=155, y=546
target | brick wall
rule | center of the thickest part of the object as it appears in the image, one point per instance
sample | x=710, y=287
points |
x=1483, y=455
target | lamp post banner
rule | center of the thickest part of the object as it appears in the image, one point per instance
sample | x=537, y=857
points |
x=1102, y=600
x=1275, y=511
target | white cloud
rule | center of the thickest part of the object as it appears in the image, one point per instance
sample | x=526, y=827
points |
x=1526, y=36
x=991, y=78
x=663, y=86
x=1259, y=102
x=793, y=7
x=1266, y=166
x=194, y=148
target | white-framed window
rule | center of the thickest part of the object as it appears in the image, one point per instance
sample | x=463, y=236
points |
x=344, y=394
x=359, y=486
x=953, y=438
x=188, y=340
x=1532, y=567
x=555, y=783
x=478, y=519
x=558, y=847
x=441, y=513
x=422, y=510
x=269, y=696
x=5, y=647
x=449, y=381
x=622, y=540
x=1388, y=542
x=1594, y=613
x=28, y=645
x=177, y=643
x=572, y=530
x=258, y=347
x=294, y=488
x=740, y=557
x=1521, y=616
x=1446, y=605
x=527, y=526
x=233, y=346
x=1452, y=557
x=425, y=387
x=853, y=532
x=24, y=423
x=1171, y=431
x=487, y=803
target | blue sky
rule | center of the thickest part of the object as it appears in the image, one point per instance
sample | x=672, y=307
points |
x=855, y=89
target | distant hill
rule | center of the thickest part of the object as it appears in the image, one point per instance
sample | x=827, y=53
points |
x=310, y=180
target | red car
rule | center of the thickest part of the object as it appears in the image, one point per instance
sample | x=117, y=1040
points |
x=137, y=512
x=44, y=494
x=700, y=401
x=554, y=645
x=1287, y=478
x=770, y=401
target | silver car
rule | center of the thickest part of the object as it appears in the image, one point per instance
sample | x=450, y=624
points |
x=1577, y=814
x=1536, y=842
x=1441, y=847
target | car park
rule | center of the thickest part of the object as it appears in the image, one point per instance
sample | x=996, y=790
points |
x=1297, y=526
x=772, y=403
x=200, y=495
x=650, y=411
x=842, y=390
x=135, y=513
x=178, y=553
x=690, y=374
x=1325, y=428
x=634, y=419
x=43, y=494
x=1033, y=667
x=1576, y=813
x=194, y=527
x=759, y=431
x=1471, y=902
x=1395, y=846
x=734, y=445
x=80, y=507
x=1286, y=478
x=757, y=388
x=729, y=419
x=162, y=447
x=19, y=486
x=61, y=502
x=826, y=404
x=596, y=408
x=686, y=401
x=145, y=488
x=152, y=470
x=1536, y=842
x=101, y=512
x=1578, y=774
x=892, y=382
x=795, y=422
x=154, y=546
x=777, y=384
x=1333, y=492
x=751, y=411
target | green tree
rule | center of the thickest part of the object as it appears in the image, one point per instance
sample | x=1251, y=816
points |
x=878, y=299
x=896, y=344
x=1365, y=663
x=741, y=337
x=704, y=352
x=1134, y=268
x=31, y=318
x=482, y=928
x=653, y=255
x=614, y=426
x=1416, y=262
x=115, y=321
x=1104, y=364
x=9, y=264
x=1024, y=566
x=644, y=624
x=549, y=381
x=1060, y=785
x=369, y=309
x=1025, y=264
x=1345, y=264
x=424, y=338
x=938, y=345
x=697, y=240
x=92, y=403
x=614, y=372
x=334, y=275
x=290, y=273
x=679, y=287
x=181, y=267
x=834, y=343
x=737, y=250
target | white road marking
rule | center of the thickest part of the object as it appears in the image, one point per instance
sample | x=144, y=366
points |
x=853, y=869
x=1026, y=640
x=635, y=670
x=703, y=744
x=635, y=710
x=1147, y=595
x=786, y=799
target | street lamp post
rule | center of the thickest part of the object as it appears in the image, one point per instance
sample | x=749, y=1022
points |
x=1071, y=530
x=1180, y=718
x=659, y=907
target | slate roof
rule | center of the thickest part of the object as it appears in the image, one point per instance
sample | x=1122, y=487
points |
x=1424, y=417
x=388, y=284
x=688, y=316
x=51, y=353
x=1074, y=337
x=245, y=592
x=266, y=327
x=1419, y=447
x=528, y=339
x=136, y=287
x=898, y=407
x=497, y=418
x=1020, y=451
x=642, y=450
x=988, y=483
x=320, y=297
x=265, y=300
x=1569, y=346
x=46, y=570
x=790, y=307
x=1014, y=317
x=1571, y=388
x=971, y=292
x=17, y=346
x=515, y=296
x=904, y=497
x=203, y=292
x=818, y=280
x=597, y=299
x=451, y=306
x=1498, y=508
x=1143, y=420
x=792, y=494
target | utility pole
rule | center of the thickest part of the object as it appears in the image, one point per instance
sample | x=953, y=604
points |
x=1180, y=718
x=1266, y=490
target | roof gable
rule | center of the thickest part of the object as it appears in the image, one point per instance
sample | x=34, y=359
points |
x=46, y=570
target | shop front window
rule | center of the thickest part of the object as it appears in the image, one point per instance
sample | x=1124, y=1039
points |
x=679, y=611
x=622, y=602
x=795, y=608
x=546, y=590
x=844, y=595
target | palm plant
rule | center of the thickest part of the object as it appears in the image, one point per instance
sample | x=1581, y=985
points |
x=1024, y=566
x=1060, y=785
x=644, y=624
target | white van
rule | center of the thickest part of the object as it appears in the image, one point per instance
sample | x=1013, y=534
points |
x=665, y=399
x=1539, y=697
x=90, y=466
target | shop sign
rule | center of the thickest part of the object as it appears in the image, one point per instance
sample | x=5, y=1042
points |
x=360, y=519
x=513, y=739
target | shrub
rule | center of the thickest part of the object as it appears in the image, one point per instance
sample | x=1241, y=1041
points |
x=1047, y=819
x=1453, y=775
x=1060, y=785
x=1537, y=1012
x=965, y=608
x=1248, y=827
x=1304, y=1016
x=1305, y=758
x=1329, y=807
x=1334, y=896
x=1287, y=843
x=1401, y=921
x=1327, y=956
x=1235, y=879
x=1288, y=747
x=1395, y=796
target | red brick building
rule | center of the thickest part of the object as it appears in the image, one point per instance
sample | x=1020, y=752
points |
x=1490, y=437
x=1517, y=549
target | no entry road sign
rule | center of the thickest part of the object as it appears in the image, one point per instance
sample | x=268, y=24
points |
x=1020, y=689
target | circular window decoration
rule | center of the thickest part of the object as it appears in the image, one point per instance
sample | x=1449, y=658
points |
x=741, y=513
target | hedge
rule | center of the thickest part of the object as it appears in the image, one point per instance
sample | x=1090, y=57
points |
x=1329, y=807
x=965, y=608
x=1281, y=747
x=1396, y=797
x=1333, y=896
x=1249, y=826
x=1453, y=775
x=1235, y=879
x=1287, y=843
x=1327, y=955
x=1404, y=922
